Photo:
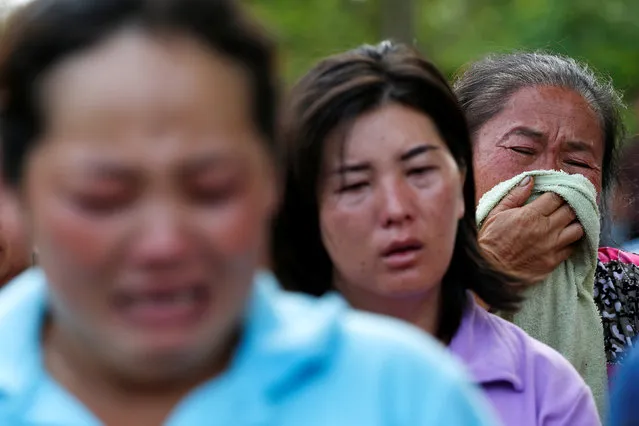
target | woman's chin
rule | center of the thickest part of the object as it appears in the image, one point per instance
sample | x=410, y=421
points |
x=406, y=283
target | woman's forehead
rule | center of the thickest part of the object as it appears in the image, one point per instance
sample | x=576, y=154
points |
x=543, y=108
x=135, y=78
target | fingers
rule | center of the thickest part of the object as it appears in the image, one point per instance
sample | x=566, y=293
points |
x=570, y=235
x=517, y=197
x=565, y=253
x=547, y=203
x=562, y=217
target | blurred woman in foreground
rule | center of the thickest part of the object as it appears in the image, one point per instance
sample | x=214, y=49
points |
x=378, y=205
x=138, y=139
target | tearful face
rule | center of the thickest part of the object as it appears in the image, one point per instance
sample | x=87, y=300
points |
x=149, y=198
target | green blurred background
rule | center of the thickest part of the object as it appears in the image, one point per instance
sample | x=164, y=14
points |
x=603, y=33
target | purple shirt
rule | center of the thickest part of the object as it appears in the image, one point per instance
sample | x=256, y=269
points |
x=529, y=383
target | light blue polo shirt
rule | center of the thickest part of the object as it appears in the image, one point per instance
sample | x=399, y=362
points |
x=302, y=361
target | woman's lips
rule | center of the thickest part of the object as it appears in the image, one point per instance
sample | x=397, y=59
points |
x=402, y=254
x=158, y=308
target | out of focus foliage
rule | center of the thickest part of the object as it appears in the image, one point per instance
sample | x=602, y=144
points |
x=604, y=33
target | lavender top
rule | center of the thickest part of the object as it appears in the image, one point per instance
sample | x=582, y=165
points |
x=528, y=383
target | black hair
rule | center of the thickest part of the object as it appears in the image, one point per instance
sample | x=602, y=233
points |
x=333, y=94
x=45, y=32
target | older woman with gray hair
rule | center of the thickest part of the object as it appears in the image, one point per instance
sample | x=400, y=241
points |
x=536, y=111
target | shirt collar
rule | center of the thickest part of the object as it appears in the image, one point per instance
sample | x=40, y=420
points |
x=285, y=331
x=22, y=310
x=288, y=332
x=488, y=348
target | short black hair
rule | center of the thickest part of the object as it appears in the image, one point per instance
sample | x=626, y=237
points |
x=45, y=32
x=334, y=93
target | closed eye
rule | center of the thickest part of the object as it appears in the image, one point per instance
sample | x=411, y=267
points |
x=352, y=187
x=101, y=205
x=579, y=164
x=213, y=196
x=523, y=150
x=418, y=171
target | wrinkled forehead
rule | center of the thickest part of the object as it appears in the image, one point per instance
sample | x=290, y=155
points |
x=550, y=109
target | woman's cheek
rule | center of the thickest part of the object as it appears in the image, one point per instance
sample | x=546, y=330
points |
x=75, y=234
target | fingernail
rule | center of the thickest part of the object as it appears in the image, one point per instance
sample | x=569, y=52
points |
x=525, y=181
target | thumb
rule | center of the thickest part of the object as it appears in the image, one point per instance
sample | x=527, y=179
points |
x=517, y=196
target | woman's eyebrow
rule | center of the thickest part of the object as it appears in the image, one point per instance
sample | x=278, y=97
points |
x=351, y=168
x=417, y=150
x=578, y=146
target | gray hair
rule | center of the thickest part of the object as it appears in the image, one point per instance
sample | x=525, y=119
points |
x=486, y=85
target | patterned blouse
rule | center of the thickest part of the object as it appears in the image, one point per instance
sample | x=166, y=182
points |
x=616, y=293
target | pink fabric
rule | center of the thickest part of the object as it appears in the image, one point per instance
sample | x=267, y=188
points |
x=609, y=254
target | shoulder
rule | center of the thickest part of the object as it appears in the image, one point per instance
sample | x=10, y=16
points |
x=22, y=303
x=392, y=338
x=508, y=348
x=356, y=333
x=540, y=362
x=20, y=291
x=417, y=373
x=21, y=311
x=377, y=357
x=560, y=392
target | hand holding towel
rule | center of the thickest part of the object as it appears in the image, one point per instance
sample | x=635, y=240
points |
x=561, y=311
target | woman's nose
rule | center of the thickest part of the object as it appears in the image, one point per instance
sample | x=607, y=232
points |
x=162, y=238
x=397, y=206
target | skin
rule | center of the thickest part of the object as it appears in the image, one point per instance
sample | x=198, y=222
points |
x=154, y=178
x=540, y=128
x=15, y=255
x=395, y=179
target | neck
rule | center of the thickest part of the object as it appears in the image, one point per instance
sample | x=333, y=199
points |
x=107, y=393
x=421, y=309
